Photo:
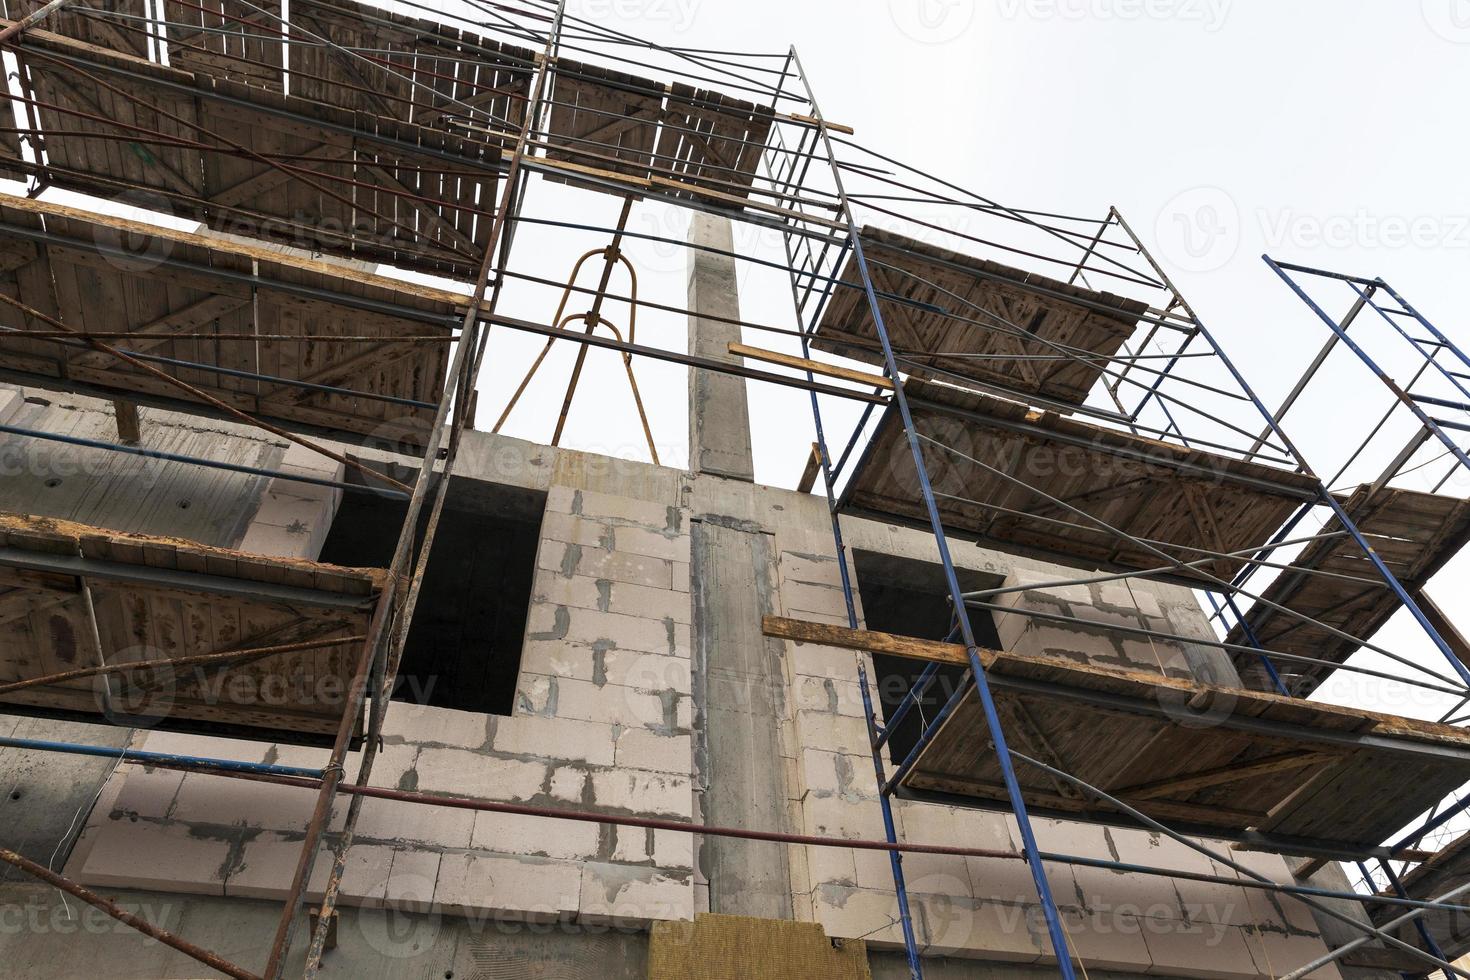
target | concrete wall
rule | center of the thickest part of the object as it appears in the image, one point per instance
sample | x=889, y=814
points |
x=612, y=715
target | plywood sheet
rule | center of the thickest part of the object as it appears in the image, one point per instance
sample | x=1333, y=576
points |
x=160, y=598
x=1414, y=533
x=250, y=161
x=950, y=314
x=236, y=296
x=1157, y=732
x=1153, y=490
x=93, y=25
x=406, y=68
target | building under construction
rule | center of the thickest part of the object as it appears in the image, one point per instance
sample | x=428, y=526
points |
x=309, y=670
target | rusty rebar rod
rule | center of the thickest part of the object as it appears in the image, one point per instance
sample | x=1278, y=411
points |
x=208, y=958
x=32, y=19
x=460, y=380
x=466, y=366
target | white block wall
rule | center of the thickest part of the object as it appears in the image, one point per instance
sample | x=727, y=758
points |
x=602, y=721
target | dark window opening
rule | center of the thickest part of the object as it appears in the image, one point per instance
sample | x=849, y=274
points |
x=910, y=598
x=464, y=647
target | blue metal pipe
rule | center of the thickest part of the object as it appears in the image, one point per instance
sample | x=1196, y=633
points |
x=1440, y=402
x=1443, y=343
x=1434, y=823
x=890, y=828
x=914, y=696
x=1424, y=322
x=138, y=755
x=1055, y=930
x=852, y=443
x=1419, y=925
x=929, y=732
x=1331, y=501
x=1250, y=635
x=198, y=461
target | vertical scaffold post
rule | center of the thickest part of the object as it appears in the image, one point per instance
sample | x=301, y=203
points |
x=1057, y=933
x=824, y=458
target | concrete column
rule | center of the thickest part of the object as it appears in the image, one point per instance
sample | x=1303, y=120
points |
x=719, y=419
x=739, y=701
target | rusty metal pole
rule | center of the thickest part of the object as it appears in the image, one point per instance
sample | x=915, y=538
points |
x=31, y=20
x=212, y=960
x=331, y=776
x=461, y=380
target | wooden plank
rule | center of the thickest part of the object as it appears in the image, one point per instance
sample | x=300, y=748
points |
x=815, y=367
x=1444, y=626
x=1159, y=809
x=129, y=428
x=824, y=123
x=867, y=640
x=811, y=470
x=1182, y=785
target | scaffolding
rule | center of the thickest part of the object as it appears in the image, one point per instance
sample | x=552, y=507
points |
x=420, y=141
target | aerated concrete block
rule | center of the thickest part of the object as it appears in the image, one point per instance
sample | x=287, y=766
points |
x=455, y=772
x=517, y=887
x=628, y=896
x=166, y=857
x=512, y=833
x=639, y=748
x=430, y=725
x=555, y=739
x=639, y=792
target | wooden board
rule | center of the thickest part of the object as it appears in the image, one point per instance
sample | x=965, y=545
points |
x=618, y=122
x=251, y=161
x=943, y=310
x=94, y=27
x=1414, y=533
x=1354, y=796
x=88, y=291
x=408, y=69
x=1150, y=489
x=1177, y=749
x=241, y=41
x=44, y=629
x=603, y=118
x=711, y=139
